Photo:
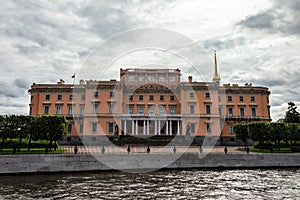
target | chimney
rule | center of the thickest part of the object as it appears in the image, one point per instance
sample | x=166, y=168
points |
x=190, y=79
x=81, y=82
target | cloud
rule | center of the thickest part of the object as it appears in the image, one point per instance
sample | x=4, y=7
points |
x=282, y=17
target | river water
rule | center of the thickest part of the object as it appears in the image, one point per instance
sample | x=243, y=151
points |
x=164, y=184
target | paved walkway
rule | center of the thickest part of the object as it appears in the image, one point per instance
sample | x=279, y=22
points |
x=153, y=149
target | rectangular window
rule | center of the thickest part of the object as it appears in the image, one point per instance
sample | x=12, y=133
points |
x=208, y=128
x=192, y=109
x=130, y=97
x=252, y=98
x=162, y=110
x=151, y=97
x=242, y=112
x=193, y=128
x=70, y=109
x=71, y=97
x=141, y=110
x=253, y=112
x=219, y=98
x=207, y=95
x=96, y=94
x=69, y=128
x=241, y=98
x=47, y=97
x=130, y=110
x=58, y=109
x=229, y=98
x=172, y=110
x=59, y=97
x=111, y=94
x=94, y=127
x=141, y=97
x=231, y=130
x=192, y=95
x=161, y=97
x=46, y=110
x=172, y=98
x=110, y=127
x=151, y=110
x=81, y=128
x=220, y=110
x=95, y=108
x=83, y=97
x=82, y=107
x=230, y=112
x=111, y=108
x=207, y=109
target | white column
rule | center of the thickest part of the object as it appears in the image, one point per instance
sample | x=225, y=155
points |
x=178, y=128
x=136, y=127
x=158, y=127
x=132, y=127
x=167, y=127
x=170, y=127
x=155, y=127
x=125, y=127
x=144, y=127
x=148, y=127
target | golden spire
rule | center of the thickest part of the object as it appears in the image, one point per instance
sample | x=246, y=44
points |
x=216, y=76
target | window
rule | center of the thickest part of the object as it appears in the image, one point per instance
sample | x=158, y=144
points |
x=94, y=127
x=220, y=110
x=193, y=128
x=82, y=107
x=58, y=109
x=219, y=98
x=141, y=97
x=71, y=97
x=252, y=98
x=81, y=128
x=141, y=110
x=207, y=95
x=192, y=109
x=130, y=97
x=253, y=112
x=162, y=110
x=46, y=110
x=95, y=108
x=70, y=109
x=229, y=98
x=96, y=94
x=47, y=97
x=151, y=98
x=230, y=112
x=83, y=97
x=172, y=110
x=161, y=97
x=172, y=98
x=69, y=128
x=59, y=97
x=242, y=112
x=111, y=94
x=207, y=109
x=231, y=130
x=192, y=95
x=111, y=127
x=111, y=108
x=241, y=98
x=130, y=110
x=208, y=128
x=151, y=110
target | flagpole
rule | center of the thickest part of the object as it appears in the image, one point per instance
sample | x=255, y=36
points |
x=74, y=79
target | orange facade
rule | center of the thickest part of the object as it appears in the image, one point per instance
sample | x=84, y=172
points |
x=151, y=102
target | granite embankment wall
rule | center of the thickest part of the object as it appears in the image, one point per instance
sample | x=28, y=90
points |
x=10, y=164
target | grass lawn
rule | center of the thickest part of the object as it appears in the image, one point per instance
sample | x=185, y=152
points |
x=282, y=150
x=32, y=151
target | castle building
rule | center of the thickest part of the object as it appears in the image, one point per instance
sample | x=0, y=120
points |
x=152, y=102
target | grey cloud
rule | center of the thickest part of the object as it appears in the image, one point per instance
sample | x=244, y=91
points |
x=282, y=17
x=221, y=44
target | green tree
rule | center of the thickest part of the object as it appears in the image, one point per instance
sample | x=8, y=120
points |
x=241, y=132
x=279, y=132
x=292, y=115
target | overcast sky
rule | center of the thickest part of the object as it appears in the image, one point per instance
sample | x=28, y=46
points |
x=257, y=41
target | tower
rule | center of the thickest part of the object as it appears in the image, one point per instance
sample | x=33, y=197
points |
x=216, y=77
